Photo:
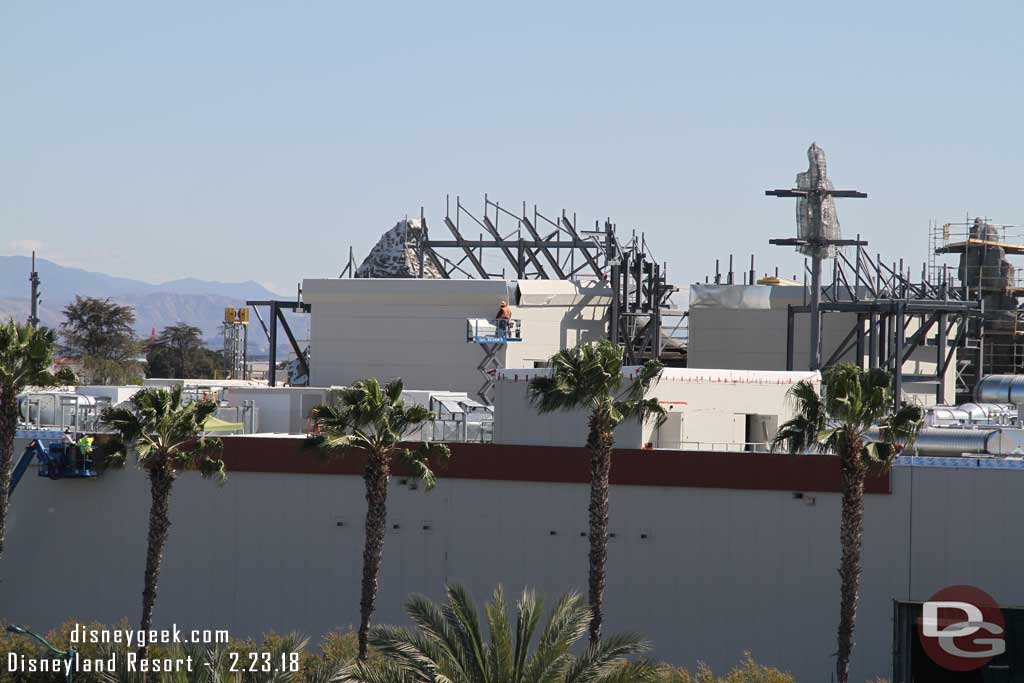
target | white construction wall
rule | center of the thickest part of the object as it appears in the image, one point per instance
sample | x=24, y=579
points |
x=744, y=327
x=416, y=329
x=704, y=573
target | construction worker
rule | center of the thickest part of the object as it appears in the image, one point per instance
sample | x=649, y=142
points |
x=503, y=316
x=84, y=444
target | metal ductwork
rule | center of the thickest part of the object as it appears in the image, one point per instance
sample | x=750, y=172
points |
x=1000, y=389
x=954, y=442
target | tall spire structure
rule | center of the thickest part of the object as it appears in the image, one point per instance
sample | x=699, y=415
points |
x=818, y=234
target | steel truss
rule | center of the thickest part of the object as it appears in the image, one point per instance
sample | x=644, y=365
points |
x=542, y=247
x=276, y=315
x=886, y=300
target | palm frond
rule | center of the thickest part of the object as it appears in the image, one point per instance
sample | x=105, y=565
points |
x=419, y=461
x=501, y=654
x=462, y=616
x=605, y=657
x=566, y=624
x=800, y=433
x=528, y=614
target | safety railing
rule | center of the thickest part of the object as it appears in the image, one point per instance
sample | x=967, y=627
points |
x=493, y=331
x=726, y=446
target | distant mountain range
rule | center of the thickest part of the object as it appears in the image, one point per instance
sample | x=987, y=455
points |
x=197, y=302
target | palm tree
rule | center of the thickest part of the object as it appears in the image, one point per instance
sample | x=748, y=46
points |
x=375, y=419
x=447, y=645
x=590, y=377
x=25, y=356
x=167, y=437
x=854, y=418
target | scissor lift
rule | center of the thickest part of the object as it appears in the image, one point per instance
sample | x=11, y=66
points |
x=491, y=335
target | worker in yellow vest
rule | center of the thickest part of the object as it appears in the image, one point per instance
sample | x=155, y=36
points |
x=84, y=444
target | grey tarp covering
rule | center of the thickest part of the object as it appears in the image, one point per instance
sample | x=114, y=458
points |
x=816, y=178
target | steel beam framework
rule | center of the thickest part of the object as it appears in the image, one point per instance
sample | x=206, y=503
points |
x=276, y=316
x=885, y=300
x=535, y=246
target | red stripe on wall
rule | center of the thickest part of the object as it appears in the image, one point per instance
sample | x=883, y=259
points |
x=501, y=462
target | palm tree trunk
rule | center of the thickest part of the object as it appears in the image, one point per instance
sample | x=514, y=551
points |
x=600, y=441
x=851, y=535
x=8, y=427
x=376, y=478
x=160, y=481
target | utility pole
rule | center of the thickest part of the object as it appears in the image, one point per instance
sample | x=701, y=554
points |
x=816, y=192
x=33, y=278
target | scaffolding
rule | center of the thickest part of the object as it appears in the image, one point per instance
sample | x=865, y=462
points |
x=982, y=272
x=236, y=342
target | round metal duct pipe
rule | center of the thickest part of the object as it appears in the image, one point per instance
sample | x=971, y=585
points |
x=954, y=442
x=947, y=415
x=1017, y=390
x=1000, y=389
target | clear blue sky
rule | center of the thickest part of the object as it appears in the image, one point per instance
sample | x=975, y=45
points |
x=258, y=140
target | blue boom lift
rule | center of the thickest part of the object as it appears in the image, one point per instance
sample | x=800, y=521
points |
x=57, y=460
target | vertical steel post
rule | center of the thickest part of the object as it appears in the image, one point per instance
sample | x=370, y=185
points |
x=897, y=393
x=873, y=341
x=860, y=341
x=883, y=341
x=33, y=279
x=815, y=355
x=789, y=338
x=272, y=368
x=941, y=342
x=613, y=318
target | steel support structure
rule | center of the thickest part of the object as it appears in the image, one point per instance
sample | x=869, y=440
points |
x=276, y=316
x=33, y=279
x=535, y=246
x=888, y=344
x=820, y=246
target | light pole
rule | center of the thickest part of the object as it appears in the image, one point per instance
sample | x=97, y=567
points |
x=68, y=654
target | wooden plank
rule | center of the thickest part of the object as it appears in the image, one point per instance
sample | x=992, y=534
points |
x=960, y=247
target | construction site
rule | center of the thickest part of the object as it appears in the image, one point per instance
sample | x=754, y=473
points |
x=718, y=545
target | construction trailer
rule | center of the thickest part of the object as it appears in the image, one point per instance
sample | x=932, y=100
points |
x=708, y=410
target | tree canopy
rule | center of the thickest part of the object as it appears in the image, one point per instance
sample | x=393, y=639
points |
x=165, y=432
x=102, y=334
x=855, y=412
x=590, y=377
x=179, y=352
x=26, y=353
x=448, y=644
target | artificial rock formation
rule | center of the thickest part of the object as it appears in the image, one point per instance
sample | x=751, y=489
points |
x=395, y=255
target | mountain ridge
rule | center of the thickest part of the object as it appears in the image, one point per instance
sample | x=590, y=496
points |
x=191, y=300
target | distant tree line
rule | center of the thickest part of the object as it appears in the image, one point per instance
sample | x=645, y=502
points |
x=100, y=334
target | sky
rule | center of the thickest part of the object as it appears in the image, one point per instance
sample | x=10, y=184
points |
x=260, y=140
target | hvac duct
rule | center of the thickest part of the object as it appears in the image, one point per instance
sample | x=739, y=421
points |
x=954, y=442
x=986, y=414
x=1000, y=389
x=54, y=408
